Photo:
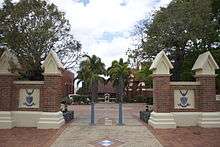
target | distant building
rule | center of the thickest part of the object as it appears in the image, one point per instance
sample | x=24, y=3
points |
x=135, y=88
x=68, y=79
x=106, y=89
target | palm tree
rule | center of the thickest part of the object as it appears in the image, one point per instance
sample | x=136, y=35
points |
x=83, y=76
x=144, y=75
x=89, y=73
x=119, y=73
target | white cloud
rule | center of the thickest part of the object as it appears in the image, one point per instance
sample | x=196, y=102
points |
x=100, y=16
x=106, y=16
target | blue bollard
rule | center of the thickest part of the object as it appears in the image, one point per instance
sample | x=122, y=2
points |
x=92, y=113
x=120, y=118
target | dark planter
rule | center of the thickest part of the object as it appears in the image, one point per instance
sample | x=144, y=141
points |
x=68, y=116
x=145, y=115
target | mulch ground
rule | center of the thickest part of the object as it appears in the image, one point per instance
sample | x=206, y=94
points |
x=188, y=137
x=29, y=137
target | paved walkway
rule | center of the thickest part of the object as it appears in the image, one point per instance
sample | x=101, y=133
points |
x=106, y=133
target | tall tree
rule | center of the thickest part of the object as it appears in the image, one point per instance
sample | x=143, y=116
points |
x=181, y=28
x=89, y=72
x=83, y=75
x=31, y=28
x=119, y=73
x=144, y=74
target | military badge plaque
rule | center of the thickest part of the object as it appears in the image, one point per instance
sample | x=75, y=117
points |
x=29, y=98
x=184, y=99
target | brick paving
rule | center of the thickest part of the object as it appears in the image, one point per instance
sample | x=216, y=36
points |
x=28, y=137
x=188, y=137
x=133, y=134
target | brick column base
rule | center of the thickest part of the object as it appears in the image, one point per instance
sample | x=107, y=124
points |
x=161, y=93
x=53, y=93
x=6, y=91
x=161, y=117
x=207, y=99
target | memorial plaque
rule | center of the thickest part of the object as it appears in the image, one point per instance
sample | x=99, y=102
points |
x=184, y=99
x=29, y=98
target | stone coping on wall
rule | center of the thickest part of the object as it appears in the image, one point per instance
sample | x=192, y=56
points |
x=185, y=83
x=160, y=75
x=217, y=97
x=149, y=89
x=29, y=82
x=205, y=75
x=7, y=74
x=53, y=74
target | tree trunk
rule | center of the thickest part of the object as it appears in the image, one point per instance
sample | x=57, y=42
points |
x=94, y=90
x=178, y=61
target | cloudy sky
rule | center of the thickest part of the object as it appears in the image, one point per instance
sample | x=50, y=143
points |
x=104, y=26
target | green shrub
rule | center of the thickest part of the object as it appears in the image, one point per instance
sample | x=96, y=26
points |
x=140, y=99
x=76, y=99
x=81, y=99
x=66, y=100
x=149, y=100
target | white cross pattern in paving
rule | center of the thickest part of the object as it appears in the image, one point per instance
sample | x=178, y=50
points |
x=105, y=143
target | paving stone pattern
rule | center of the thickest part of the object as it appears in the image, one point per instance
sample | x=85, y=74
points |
x=133, y=134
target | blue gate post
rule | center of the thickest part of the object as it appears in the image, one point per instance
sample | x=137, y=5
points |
x=120, y=120
x=93, y=113
x=120, y=112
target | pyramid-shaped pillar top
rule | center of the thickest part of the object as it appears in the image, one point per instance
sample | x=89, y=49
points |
x=205, y=64
x=52, y=64
x=161, y=64
x=8, y=63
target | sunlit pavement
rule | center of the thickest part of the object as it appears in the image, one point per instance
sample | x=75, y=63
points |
x=106, y=132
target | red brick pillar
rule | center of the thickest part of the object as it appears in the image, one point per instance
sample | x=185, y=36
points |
x=207, y=98
x=53, y=93
x=52, y=117
x=161, y=117
x=204, y=68
x=161, y=93
x=6, y=91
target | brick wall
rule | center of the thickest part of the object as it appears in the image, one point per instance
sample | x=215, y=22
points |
x=68, y=84
x=207, y=93
x=53, y=93
x=55, y=87
x=161, y=93
x=6, y=86
x=217, y=105
x=138, y=90
x=134, y=93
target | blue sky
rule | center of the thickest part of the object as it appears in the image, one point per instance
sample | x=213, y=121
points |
x=104, y=26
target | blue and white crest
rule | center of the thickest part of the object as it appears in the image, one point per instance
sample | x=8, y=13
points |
x=183, y=99
x=29, y=98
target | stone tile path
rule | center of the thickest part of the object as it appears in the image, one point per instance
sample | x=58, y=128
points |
x=106, y=133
